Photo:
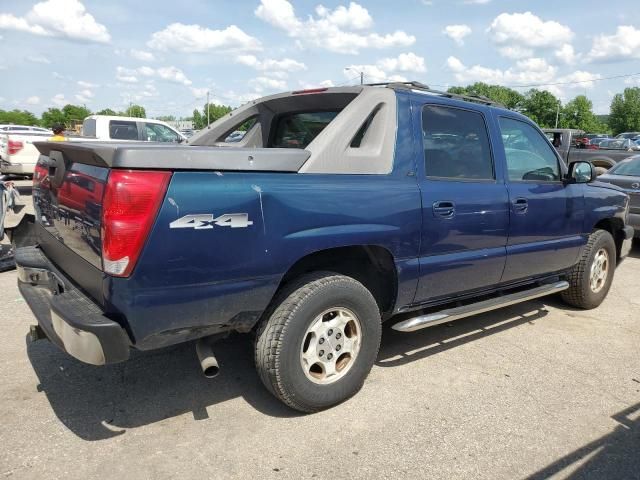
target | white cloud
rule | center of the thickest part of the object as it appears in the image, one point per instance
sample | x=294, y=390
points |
x=526, y=30
x=515, y=52
x=83, y=84
x=33, y=100
x=405, y=62
x=126, y=75
x=198, y=39
x=457, y=33
x=385, y=69
x=261, y=84
x=142, y=55
x=622, y=45
x=476, y=2
x=339, y=30
x=38, y=59
x=525, y=73
x=58, y=18
x=84, y=96
x=269, y=64
x=566, y=54
x=59, y=100
x=170, y=74
x=353, y=17
x=199, y=92
x=173, y=74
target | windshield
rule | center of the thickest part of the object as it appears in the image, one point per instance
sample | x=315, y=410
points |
x=629, y=166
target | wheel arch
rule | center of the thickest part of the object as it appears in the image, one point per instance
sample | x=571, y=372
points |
x=371, y=265
x=615, y=226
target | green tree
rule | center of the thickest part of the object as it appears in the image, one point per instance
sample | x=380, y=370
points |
x=18, y=117
x=137, y=111
x=166, y=118
x=107, y=111
x=215, y=112
x=578, y=113
x=541, y=106
x=52, y=116
x=75, y=114
x=506, y=96
x=625, y=111
x=198, y=121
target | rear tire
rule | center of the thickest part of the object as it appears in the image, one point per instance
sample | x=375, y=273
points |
x=318, y=343
x=590, y=279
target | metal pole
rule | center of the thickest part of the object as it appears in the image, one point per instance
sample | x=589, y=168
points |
x=207, y=107
x=557, y=114
x=361, y=78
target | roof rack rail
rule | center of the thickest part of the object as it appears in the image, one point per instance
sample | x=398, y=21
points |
x=425, y=88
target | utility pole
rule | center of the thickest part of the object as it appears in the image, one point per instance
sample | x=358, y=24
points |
x=207, y=108
x=361, y=78
x=557, y=114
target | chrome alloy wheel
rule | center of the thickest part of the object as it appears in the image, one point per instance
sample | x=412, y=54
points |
x=599, y=270
x=331, y=345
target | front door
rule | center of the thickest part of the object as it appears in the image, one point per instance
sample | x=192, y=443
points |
x=546, y=215
x=464, y=208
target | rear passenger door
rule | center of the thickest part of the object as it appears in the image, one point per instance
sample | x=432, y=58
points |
x=464, y=208
x=546, y=215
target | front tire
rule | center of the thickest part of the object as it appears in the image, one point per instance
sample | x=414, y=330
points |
x=590, y=279
x=319, y=342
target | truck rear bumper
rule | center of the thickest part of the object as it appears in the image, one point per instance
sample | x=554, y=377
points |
x=68, y=317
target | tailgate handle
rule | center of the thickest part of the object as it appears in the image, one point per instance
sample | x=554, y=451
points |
x=57, y=168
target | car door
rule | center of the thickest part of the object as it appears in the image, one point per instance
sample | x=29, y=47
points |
x=546, y=215
x=464, y=207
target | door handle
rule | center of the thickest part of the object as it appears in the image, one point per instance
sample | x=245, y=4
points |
x=520, y=205
x=445, y=209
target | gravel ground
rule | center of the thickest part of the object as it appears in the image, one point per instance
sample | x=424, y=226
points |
x=537, y=390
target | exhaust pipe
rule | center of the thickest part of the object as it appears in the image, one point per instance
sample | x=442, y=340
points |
x=208, y=361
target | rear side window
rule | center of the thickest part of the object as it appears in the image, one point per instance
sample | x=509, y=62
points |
x=122, y=130
x=529, y=156
x=456, y=144
x=297, y=130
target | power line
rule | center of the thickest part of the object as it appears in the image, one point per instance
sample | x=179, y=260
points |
x=575, y=82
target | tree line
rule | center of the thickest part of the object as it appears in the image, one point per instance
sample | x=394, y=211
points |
x=541, y=106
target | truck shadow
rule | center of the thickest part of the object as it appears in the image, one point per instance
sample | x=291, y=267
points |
x=400, y=348
x=635, y=249
x=611, y=456
x=97, y=403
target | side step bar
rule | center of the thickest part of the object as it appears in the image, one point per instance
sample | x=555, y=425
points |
x=457, y=313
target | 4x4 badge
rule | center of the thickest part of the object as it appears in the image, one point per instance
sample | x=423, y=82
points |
x=207, y=220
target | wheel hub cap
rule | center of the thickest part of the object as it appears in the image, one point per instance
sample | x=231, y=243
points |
x=330, y=345
x=599, y=271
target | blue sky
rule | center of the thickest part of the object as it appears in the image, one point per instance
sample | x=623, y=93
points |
x=165, y=55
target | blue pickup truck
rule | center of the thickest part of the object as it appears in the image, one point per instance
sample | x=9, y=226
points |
x=338, y=209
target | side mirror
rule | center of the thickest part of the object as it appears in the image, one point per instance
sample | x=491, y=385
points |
x=581, y=172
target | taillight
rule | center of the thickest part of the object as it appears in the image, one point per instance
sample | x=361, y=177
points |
x=130, y=205
x=14, y=146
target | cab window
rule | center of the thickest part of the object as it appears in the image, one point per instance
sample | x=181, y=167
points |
x=456, y=144
x=155, y=132
x=123, y=130
x=529, y=156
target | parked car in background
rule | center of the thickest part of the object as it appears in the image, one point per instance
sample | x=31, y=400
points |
x=619, y=144
x=24, y=129
x=105, y=127
x=630, y=135
x=18, y=156
x=626, y=175
x=602, y=158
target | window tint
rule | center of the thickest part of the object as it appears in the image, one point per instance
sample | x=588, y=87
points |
x=529, y=156
x=297, y=130
x=155, y=132
x=121, y=130
x=456, y=144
